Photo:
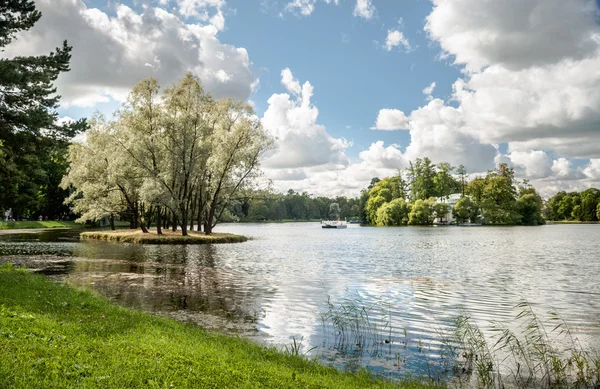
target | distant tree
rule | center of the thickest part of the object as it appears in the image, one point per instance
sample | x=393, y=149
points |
x=565, y=208
x=334, y=211
x=422, y=212
x=465, y=210
x=441, y=210
x=445, y=184
x=498, y=200
x=589, y=203
x=394, y=213
x=423, y=173
x=554, y=206
x=462, y=174
x=258, y=210
x=598, y=211
x=529, y=207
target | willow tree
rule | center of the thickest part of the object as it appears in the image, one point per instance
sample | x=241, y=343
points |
x=104, y=185
x=237, y=144
x=183, y=151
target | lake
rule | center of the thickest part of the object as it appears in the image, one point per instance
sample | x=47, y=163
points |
x=381, y=298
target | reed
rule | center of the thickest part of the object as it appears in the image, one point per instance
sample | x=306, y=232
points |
x=536, y=355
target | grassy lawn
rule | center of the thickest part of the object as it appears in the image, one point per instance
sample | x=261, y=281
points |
x=167, y=237
x=53, y=336
x=38, y=224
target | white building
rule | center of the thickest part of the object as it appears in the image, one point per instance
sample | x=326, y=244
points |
x=450, y=200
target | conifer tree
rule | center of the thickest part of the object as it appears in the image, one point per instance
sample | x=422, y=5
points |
x=32, y=144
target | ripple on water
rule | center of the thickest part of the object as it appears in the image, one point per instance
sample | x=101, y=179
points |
x=413, y=282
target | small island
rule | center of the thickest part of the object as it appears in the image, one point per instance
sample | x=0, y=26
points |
x=167, y=237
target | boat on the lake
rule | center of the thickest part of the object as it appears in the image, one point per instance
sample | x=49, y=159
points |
x=333, y=224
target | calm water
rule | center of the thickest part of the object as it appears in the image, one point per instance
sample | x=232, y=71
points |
x=411, y=283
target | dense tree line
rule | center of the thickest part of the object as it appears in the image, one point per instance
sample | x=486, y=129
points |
x=416, y=196
x=33, y=146
x=579, y=206
x=179, y=157
x=262, y=206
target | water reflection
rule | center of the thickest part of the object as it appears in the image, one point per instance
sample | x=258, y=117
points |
x=413, y=282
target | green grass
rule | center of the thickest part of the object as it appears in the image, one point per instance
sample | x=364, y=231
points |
x=168, y=237
x=53, y=336
x=38, y=224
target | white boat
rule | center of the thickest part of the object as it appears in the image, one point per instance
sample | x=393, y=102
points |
x=333, y=224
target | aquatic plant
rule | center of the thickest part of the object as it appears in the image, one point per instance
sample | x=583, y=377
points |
x=531, y=357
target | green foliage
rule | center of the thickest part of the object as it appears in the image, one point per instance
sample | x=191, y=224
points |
x=422, y=175
x=496, y=196
x=52, y=336
x=445, y=184
x=422, y=212
x=267, y=206
x=529, y=207
x=382, y=192
x=38, y=224
x=394, y=213
x=589, y=203
x=181, y=153
x=32, y=144
x=575, y=206
x=465, y=210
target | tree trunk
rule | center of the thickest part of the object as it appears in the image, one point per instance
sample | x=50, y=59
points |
x=112, y=221
x=158, y=221
x=208, y=223
x=184, y=221
x=141, y=219
x=150, y=217
x=174, y=226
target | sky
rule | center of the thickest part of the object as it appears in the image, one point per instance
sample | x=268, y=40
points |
x=355, y=89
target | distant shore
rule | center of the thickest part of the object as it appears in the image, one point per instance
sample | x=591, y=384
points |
x=167, y=237
x=568, y=222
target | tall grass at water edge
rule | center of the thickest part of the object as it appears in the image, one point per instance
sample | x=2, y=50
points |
x=534, y=355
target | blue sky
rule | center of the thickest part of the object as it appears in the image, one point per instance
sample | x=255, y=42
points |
x=341, y=55
x=340, y=83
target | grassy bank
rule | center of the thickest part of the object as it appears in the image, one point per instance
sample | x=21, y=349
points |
x=52, y=336
x=168, y=237
x=38, y=224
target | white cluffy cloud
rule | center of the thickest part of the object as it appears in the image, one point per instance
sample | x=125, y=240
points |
x=305, y=7
x=531, y=80
x=396, y=38
x=301, y=142
x=391, y=119
x=112, y=53
x=429, y=89
x=364, y=9
x=308, y=158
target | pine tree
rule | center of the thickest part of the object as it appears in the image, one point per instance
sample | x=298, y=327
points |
x=29, y=134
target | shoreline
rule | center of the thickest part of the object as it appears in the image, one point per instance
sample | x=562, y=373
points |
x=81, y=339
x=168, y=237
